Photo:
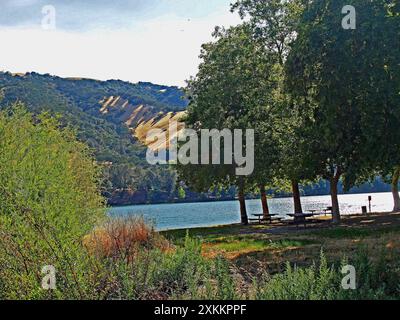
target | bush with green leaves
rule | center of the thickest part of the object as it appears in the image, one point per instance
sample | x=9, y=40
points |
x=375, y=280
x=312, y=283
x=182, y=273
x=49, y=199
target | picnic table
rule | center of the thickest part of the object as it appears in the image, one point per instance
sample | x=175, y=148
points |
x=321, y=212
x=301, y=218
x=261, y=217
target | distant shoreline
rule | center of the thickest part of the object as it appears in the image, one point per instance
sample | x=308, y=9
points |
x=249, y=198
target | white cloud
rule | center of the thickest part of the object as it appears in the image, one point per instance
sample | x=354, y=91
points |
x=164, y=50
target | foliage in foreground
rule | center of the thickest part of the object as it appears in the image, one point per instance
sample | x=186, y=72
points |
x=374, y=281
x=49, y=200
x=186, y=274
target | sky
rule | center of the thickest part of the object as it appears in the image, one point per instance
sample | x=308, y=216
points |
x=133, y=40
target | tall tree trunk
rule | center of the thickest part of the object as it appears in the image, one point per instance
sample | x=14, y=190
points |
x=264, y=201
x=296, y=197
x=242, y=200
x=335, y=200
x=395, y=190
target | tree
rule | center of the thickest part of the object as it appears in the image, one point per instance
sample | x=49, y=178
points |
x=275, y=23
x=266, y=122
x=327, y=74
x=395, y=190
x=382, y=74
x=232, y=90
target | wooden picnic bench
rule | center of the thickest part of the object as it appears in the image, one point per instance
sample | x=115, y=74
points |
x=261, y=218
x=301, y=219
x=321, y=212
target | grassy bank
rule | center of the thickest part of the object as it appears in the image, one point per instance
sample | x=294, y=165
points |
x=249, y=262
x=258, y=248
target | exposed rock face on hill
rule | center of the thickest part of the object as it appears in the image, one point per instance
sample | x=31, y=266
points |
x=141, y=119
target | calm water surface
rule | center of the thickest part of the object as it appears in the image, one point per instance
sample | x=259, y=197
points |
x=205, y=214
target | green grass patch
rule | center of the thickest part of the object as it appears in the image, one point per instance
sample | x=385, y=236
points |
x=208, y=233
x=233, y=238
x=252, y=243
x=241, y=246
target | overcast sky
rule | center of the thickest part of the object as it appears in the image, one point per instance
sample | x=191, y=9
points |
x=132, y=40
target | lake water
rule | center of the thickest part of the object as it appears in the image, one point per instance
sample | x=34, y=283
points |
x=205, y=214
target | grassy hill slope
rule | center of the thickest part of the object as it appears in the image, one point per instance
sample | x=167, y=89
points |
x=109, y=116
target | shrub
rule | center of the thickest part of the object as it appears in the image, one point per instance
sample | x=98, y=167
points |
x=49, y=200
x=121, y=238
x=312, y=283
x=182, y=273
x=375, y=280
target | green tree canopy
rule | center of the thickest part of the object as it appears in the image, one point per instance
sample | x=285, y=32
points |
x=275, y=24
x=331, y=70
x=234, y=89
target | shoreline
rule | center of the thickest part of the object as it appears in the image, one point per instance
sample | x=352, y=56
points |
x=247, y=199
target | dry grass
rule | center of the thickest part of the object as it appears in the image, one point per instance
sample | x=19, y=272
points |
x=143, y=128
x=122, y=237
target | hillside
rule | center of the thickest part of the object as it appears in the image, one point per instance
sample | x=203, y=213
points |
x=113, y=118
